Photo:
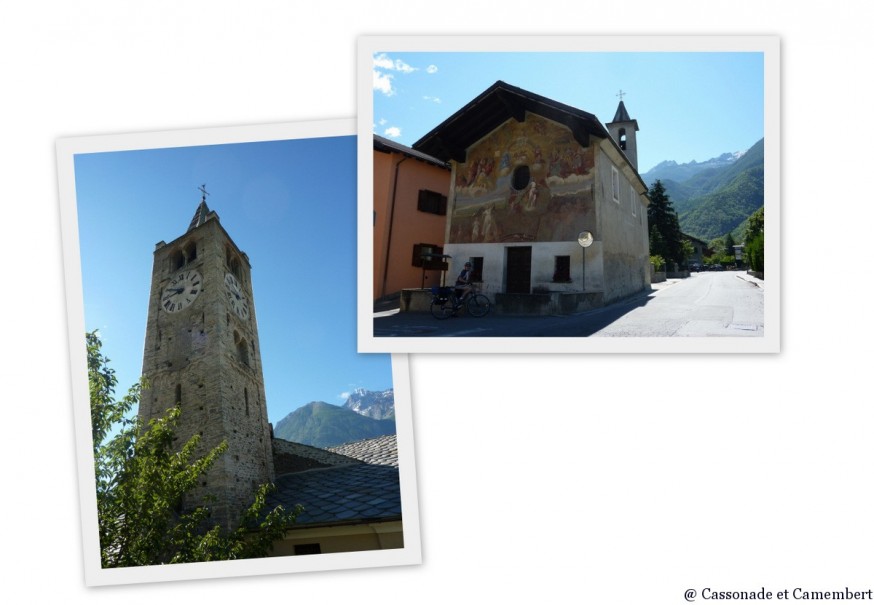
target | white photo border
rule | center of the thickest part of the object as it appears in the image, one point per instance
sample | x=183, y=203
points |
x=66, y=149
x=769, y=45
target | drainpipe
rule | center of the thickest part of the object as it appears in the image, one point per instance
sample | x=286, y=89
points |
x=391, y=223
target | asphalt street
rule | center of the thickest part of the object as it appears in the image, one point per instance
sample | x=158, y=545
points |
x=729, y=303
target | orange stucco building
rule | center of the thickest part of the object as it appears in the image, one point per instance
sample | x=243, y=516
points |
x=410, y=191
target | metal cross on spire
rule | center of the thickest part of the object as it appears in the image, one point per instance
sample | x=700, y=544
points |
x=203, y=190
x=621, y=94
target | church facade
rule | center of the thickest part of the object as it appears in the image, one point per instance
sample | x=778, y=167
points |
x=544, y=198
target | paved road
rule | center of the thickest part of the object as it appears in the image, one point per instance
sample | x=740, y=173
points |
x=706, y=304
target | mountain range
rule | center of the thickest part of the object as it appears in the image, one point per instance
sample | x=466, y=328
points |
x=669, y=170
x=715, y=197
x=366, y=414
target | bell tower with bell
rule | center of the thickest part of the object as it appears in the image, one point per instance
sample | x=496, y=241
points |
x=202, y=353
x=624, y=131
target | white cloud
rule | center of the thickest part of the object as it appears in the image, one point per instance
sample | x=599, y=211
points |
x=383, y=61
x=434, y=99
x=382, y=83
x=393, y=132
x=344, y=395
x=383, y=121
x=431, y=69
x=403, y=67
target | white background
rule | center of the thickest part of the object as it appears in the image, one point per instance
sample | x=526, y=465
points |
x=555, y=478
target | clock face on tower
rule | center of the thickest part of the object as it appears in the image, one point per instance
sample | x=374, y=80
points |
x=183, y=289
x=236, y=298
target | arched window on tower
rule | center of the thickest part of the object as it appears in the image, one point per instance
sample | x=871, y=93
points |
x=177, y=260
x=183, y=256
x=242, y=348
x=623, y=139
x=190, y=252
x=233, y=263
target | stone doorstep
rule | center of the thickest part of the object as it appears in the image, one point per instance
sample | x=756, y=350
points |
x=417, y=300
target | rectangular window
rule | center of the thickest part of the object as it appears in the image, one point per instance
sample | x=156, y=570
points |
x=562, y=271
x=477, y=273
x=308, y=549
x=431, y=201
x=615, y=184
x=633, y=203
x=428, y=256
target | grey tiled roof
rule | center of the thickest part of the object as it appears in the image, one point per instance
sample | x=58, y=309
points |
x=379, y=450
x=341, y=494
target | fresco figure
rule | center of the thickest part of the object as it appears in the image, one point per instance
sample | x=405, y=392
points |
x=490, y=228
x=514, y=204
x=532, y=197
x=505, y=163
x=474, y=233
x=554, y=164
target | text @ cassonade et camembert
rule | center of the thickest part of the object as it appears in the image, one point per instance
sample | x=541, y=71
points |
x=796, y=594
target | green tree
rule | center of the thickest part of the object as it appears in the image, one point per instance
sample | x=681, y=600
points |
x=665, y=236
x=755, y=225
x=754, y=241
x=142, y=478
x=729, y=245
x=688, y=249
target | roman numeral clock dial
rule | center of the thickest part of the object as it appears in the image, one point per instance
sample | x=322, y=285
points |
x=183, y=289
x=236, y=298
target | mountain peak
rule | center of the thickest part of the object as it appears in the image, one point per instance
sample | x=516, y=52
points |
x=322, y=424
x=373, y=404
x=674, y=171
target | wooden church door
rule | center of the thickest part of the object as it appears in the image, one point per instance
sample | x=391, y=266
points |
x=519, y=270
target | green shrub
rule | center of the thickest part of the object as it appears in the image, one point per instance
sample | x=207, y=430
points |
x=755, y=252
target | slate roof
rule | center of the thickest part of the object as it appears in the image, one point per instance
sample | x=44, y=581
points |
x=200, y=216
x=355, y=493
x=493, y=107
x=621, y=113
x=379, y=450
x=291, y=457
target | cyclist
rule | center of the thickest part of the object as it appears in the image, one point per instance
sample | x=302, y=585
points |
x=462, y=282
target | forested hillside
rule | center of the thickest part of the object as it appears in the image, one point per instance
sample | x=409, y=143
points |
x=717, y=199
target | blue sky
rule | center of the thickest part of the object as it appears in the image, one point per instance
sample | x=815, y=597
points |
x=688, y=105
x=290, y=205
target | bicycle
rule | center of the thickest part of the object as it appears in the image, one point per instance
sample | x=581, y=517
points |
x=445, y=303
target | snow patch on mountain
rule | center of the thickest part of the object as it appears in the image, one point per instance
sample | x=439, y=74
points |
x=378, y=405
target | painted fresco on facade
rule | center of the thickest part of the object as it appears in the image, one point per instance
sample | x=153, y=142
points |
x=525, y=182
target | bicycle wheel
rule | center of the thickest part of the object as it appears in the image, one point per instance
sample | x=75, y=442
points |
x=478, y=305
x=441, y=310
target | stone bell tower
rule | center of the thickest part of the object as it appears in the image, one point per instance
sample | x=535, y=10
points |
x=623, y=129
x=202, y=352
